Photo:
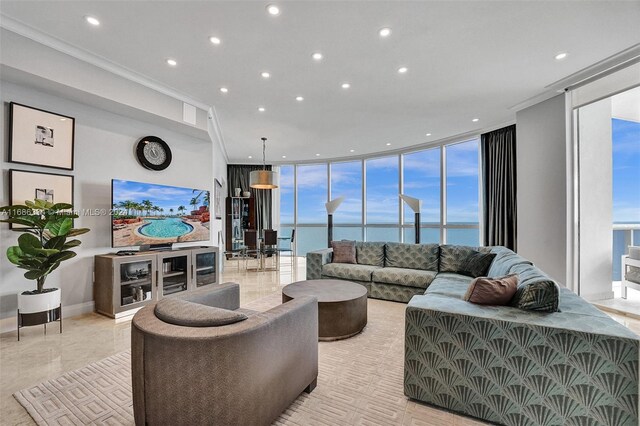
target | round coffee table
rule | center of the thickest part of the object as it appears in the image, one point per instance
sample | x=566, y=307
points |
x=342, y=306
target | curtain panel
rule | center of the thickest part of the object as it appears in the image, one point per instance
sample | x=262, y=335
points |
x=499, y=187
x=238, y=177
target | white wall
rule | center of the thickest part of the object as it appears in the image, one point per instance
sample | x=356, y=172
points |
x=542, y=182
x=104, y=149
x=596, y=201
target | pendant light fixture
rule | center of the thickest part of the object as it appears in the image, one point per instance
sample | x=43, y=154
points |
x=263, y=179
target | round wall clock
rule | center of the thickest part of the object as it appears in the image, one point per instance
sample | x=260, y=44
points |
x=153, y=153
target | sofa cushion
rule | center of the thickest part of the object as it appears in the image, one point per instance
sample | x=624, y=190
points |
x=505, y=259
x=349, y=272
x=465, y=260
x=370, y=254
x=492, y=291
x=343, y=251
x=412, y=256
x=190, y=314
x=449, y=284
x=404, y=277
x=536, y=291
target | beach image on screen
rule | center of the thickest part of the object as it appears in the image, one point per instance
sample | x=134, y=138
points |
x=145, y=213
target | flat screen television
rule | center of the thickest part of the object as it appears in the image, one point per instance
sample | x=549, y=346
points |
x=151, y=214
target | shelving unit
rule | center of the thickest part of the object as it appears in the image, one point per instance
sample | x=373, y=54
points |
x=124, y=284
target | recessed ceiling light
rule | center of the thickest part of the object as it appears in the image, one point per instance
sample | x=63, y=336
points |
x=172, y=62
x=475, y=120
x=284, y=156
x=265, y=74
x=299, y=98
x=317, y=155
x=402, y=70
x=273, y=10
x=261, y=109
x=388, y=143
x=215, y=40
x=63, y=119
x=224, y=90
x=560, y=56
x=385, y=32
x=251, y=156
x=92, y=20
x=317, y=56
x=352, y=150
x=428, y=134
x=345, y=85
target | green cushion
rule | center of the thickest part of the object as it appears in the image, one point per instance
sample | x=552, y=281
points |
x=370, y=254
x=412, y=256
x=465, y=260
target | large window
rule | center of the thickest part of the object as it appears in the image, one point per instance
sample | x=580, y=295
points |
x=311, y=196
x=462, y=194
x=346, y=181
x=287, y=194
x=448, y=169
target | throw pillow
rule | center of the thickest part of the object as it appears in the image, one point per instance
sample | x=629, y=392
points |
x=492, y=291
x=343, y=251
x=536, y=291
x=477, y=264
x=189, y=314
x=452, y=257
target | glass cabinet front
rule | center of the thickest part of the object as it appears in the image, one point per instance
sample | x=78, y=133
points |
x=205, y=268
x=136, y=282
x=174, y=273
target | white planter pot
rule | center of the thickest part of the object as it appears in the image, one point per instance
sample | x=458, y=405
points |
x=32, y=303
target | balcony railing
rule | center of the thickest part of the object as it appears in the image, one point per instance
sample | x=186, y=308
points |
x=624, y=235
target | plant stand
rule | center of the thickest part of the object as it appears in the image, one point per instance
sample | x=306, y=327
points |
x=39, y=309
x=38, y=318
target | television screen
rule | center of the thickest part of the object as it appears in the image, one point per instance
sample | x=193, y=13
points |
x=146, y=213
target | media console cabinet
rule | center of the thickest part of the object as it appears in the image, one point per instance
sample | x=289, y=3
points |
x=124, y=284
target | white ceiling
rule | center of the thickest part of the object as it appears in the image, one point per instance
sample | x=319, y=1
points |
x=465, y=60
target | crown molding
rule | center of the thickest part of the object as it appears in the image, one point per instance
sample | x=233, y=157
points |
x=24, y=30
x=593, y=72
x=215, y=132
x=31, y=33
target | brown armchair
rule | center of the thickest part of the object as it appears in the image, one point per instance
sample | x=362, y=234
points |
x=246, y=373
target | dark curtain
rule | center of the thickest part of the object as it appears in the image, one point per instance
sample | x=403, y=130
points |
x=499, y=187
x=238, y=177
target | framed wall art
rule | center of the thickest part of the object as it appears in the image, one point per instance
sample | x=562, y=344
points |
x=24, y=185
x=40, y=138
x=217, y=199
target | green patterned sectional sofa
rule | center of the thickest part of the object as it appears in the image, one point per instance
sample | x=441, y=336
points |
x=568, y=364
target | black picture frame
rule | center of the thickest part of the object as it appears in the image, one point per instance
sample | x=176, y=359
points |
x=218, y=204
x=26, y=123
x=27, y=188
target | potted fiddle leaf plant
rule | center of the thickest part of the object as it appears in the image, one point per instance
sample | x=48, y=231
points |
x=44, y=243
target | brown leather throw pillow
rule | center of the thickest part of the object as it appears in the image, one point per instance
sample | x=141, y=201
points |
x=343, y=251
x=492, y=291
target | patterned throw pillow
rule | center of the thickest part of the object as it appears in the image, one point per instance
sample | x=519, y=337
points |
x=465, y=260
x=492, y=291
x=536, y=291
x=344, y=251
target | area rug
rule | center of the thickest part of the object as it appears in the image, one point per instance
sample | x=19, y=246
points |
x=360, y=381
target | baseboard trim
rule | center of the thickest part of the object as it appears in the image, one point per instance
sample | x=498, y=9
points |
x=593, y=297
x=11, y=323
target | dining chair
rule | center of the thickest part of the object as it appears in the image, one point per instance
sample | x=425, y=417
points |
x=287, y=245
x=252, y=246
x=270, y=247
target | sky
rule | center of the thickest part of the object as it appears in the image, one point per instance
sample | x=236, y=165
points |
x=626, y=171
x=166, y=197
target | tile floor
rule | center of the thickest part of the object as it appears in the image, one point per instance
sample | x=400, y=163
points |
x=91, y=337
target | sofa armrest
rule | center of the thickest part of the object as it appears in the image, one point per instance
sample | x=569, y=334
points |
x=315, y=261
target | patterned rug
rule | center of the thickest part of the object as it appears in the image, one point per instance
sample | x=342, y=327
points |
x=360, y=381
